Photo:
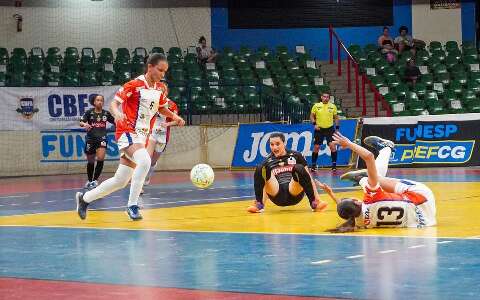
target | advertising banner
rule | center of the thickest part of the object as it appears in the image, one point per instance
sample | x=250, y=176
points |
x=252, y=145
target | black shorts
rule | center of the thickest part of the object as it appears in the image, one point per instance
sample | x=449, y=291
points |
x=323, y=133
x=91, y=146
x=284, y=198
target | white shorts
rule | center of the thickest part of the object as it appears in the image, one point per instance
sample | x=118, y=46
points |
x=428, y=208
x=160, y=141
x=127, y=139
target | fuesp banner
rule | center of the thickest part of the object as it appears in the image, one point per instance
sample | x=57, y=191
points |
x=46, y=108
x=424, y=143
x=253, y=146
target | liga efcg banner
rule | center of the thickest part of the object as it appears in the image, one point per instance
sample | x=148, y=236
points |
x=47, y=108
x=431, y=142
x=252, y=145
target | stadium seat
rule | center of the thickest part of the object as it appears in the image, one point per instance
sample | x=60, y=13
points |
x=53, y=78
x=3, y=79
x=157, y=50
x=37, y=78
x=16, y=79
x=19, y=53
x=106, y=78
x=87, y=61
x=175, y=52
x=88, y=78
x=122, y=56
x=54, y=51
x=71, y=79
x=122, y=77
x=435, y=45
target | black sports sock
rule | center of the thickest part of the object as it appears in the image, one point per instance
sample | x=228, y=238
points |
x=301, y=176
x=90, y=168
x=334, y=158
x=314, y=158
x=98, y=169
x=259, y=183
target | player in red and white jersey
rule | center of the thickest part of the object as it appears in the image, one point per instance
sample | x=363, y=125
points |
x=387, y=202
x=160, y=136
x=134, y=108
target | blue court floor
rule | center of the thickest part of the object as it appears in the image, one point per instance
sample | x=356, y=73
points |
x=197, y=241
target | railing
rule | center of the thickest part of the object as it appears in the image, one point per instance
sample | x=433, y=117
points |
x=377, y=97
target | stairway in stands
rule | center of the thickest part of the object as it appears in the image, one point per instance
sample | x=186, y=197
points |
x=338, y=85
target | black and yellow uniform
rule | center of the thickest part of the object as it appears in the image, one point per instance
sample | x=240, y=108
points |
x=325, y=115
x=97, y=136
x=284, y=168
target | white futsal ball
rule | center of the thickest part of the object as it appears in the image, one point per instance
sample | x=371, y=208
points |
x=202, y=176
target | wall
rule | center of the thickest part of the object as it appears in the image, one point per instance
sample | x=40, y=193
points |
x=315, y=39
x=96, y=24
x=436, y=24
x=188, y=146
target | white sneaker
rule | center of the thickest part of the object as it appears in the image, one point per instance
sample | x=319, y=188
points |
x=87, y=185
x=93, y=184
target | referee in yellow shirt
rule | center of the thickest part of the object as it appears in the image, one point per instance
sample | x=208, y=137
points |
x=323, y=115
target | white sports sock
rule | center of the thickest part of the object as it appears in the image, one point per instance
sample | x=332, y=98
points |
x=382, y=161
x=118, y=181
x=143, y=161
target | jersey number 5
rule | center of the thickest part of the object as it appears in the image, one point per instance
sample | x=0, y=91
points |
x=389, y=218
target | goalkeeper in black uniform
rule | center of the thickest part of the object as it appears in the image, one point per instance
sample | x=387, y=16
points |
x=283, y=178
x=95, y=123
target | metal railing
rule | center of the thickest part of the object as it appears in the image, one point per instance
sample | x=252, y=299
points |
x=377, y=97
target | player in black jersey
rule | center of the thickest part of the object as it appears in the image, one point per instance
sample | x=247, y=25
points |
x=283, y=178
x=95, y=122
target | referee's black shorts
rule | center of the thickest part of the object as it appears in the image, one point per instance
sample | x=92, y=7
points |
x=323, y=133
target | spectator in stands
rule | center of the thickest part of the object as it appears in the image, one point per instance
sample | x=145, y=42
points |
x=404, y=42
x=412, y=72
x=386, y=45
x=205, y=54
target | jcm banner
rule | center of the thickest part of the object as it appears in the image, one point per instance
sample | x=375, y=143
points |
x=431, y=143
x=60, y=146
x=253, y=146
x=44, y=108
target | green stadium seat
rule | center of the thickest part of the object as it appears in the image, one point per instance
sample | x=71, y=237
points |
x=71, y=79
x=140, y=52
x=122, y=77
x=422, y=57
x=19, y=53
x=87, y=61
x=157, y=50
x=37, y=78
x=245, y=51
x=451, y=46
x=456, y=87
x=122, y=55
x=54, y=51
x=106, y=78
x=16, y=79
x=53, y=78
x=176, y=52
x=434, y=45
x=88, y=78
x=3, y=79
x=474, y=86
x=36, y=55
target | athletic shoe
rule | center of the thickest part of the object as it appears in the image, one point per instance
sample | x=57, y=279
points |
x=313, y=168
x=378, y=143
x=354, y=176
x=87, y=185
x=334, y=168
x=93, y=184
x=81, y=206
x=257, y=207
x=134, y=213
x=319, y=205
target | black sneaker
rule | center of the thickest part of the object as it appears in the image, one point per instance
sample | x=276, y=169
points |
x=81, y=206
x=313, y=168
x=378, y=143
x=334, y=168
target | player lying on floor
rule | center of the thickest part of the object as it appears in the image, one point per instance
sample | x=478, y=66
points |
x=283, y=178
x=387, y=202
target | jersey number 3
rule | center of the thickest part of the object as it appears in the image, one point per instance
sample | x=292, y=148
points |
x=390, y=216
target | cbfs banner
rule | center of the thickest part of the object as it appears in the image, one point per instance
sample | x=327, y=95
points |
x=449, y=140
x=44, y=108
x=253, y=146
x=66, y=146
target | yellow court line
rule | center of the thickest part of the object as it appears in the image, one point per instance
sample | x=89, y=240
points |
x=456, y=212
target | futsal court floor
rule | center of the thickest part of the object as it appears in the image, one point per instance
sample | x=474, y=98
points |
x=202, y=244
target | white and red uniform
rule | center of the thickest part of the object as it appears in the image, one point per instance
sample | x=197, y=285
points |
x=412, y=205
x=161, y=134
x=140, y=104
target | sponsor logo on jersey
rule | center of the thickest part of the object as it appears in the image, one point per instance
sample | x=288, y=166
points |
x=26, y=107
x=280, y=170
